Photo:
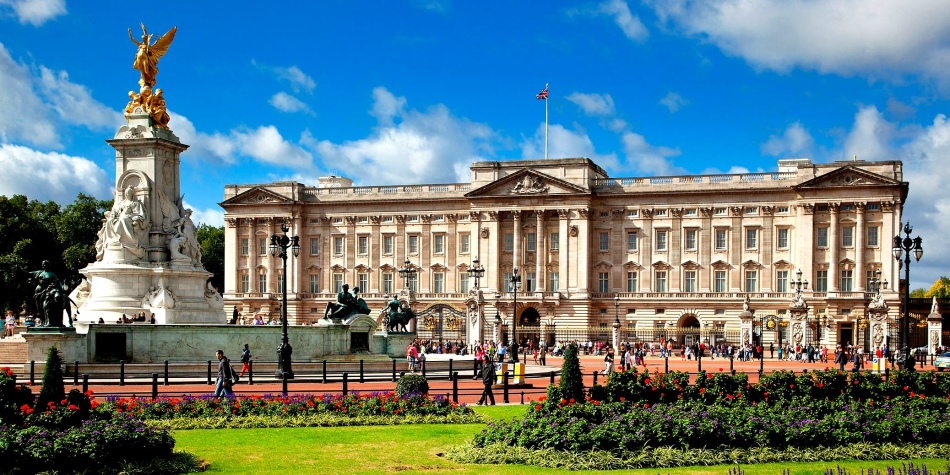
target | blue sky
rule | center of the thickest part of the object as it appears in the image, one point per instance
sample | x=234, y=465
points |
x=414, y=91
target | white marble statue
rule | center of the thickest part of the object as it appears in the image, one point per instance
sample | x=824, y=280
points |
x=213, y=296
x=159, y=297
x=127, y=224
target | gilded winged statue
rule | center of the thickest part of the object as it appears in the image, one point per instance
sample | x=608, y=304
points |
x=146, y=59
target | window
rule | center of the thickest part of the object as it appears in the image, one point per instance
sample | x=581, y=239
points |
x=362, y=281
x=414, y=283
x=262, y=283
x=821, y=208
x=603, y=282
x=245, y=283
x=821, y=240
x=631, y=241
x=338, y=246
x=388, y=283
x=720, y=281
x=752, y=210
x=413, y=244
x=604, y=214
x=262, y=246
x=314, y=284
x=363, y=246
x=847, y=207
x=438, y=282
x=661, y=240
x=874, y=207
x=314, y=246
x=720, y=212
x=868, y=277
x=633, y=213
x=782, y=210
x=464, y=243
x=532, y=244
x=751, y=280
x=821, y=281
x=690, y=239
x=781, y=281
x=873, y=236
x=631, y=282
x=438, y=243
x=530, y=279
x=783, y=238
x=506, y=281
x=280, y=283
x=690, y=212
x=553, y=281
x=509, y=243
x=387, y=244
x=413, y=219
x=660, y=212
x=464, y=282
x=604, y=241
x=689, y=281
x=337, y=283
x=244, y=247
x=847, y=236
x=751, y=238
x=555, y=241
x=660, y=281
x=847, y=281
x=720, y=239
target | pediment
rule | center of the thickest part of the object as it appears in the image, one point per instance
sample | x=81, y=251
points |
x=257, y=196
x=848, y=176
x=752, y=264
x=362, y=268
x=528, y=183
x=603, y=265
x=690, y=264
x=662, y=265
x=632, y=265
x=721, y=264
x=781, y=264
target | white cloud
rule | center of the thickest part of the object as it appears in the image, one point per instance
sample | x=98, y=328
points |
x=35, y=12
x=673, y=101
x=31, y=122
x=564, y=143
x=267, y=145
x=593, y=104
x=210, y=216
x=628, y=22
x=876, y=38
x=408, y=145
x=870, y=136
x=75, y=104
x=49, y=176
x=794, y=142
x=649, y=159
x=299, y=81
x=216, y=148
x=287, y=103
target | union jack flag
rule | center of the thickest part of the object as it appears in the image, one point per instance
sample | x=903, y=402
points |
x=543, y=95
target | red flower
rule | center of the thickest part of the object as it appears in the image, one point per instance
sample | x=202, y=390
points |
x=622, y=399
x=730, y=397
x=820, y=385
x=906, y=388
x=73, y=407
x=542, y=398
x=720, y=370
x=537, y=408
x=702, y=390
x=646, y=381
x=791, y=386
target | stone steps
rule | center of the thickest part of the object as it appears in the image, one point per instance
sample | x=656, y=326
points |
x=13, y=351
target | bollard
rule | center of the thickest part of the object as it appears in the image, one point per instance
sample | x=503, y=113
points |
x=423, y=368
x=504, y=381
x=361, y=371
x=32, y=372
x=85, y=383
x=475, y=369
x=450, y=367
x=166, y=372
x=345, y=376
x=761, y=364
x=887, y=373
x=76, y=373
x=209, y=372
x=401, y=374
x=283, y=378
x=731, y=360
x=552, y=377
x=595, y=377
x=122, y=373
x=455, y=387
x=699, y=363
x=154, y=386
x=394, y=371
x=522, y=397
x=324, y=371
x=250, y=372
x=733, y=372
x=666, y=364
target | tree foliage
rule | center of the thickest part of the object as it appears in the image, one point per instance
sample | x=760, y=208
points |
x=53, y=389
x=940, y=289
x=211, y=239
x=572, y=381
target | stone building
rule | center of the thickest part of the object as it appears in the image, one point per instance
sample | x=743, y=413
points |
x=671, y=257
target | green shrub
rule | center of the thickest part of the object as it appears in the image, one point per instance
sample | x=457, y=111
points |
x=572, y=381
x=53, y=391
x=412, y=384
x=12, y=398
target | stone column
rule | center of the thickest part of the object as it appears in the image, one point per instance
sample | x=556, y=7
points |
x=616, y=340
x=861, y=271
x=646, y=252
x=833, y=244
x=232, y=257
x=540, y=255
x=563, y=256
x=516, y=256
x=934, y=328
x=735, y=249
x=796, y=325
x=745, y=325
x=272, y=270
x=705, y=246
x=877, y=318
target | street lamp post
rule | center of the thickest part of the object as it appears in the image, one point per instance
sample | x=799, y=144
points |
x=497, y=318
x=476, y=271
x=515, y=285
x=903, y=247
x=407, y=272
x=279, y=243
x=616, y=341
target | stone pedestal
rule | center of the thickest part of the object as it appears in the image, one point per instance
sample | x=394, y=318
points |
x=745, y=327
x=71, y=346
x=878, y=321
x=796, y=326
x=934, y=329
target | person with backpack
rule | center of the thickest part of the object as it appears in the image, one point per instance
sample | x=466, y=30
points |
x=225, y=376
x=245, y=360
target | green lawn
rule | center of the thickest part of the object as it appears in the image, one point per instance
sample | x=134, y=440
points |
x=405, y=449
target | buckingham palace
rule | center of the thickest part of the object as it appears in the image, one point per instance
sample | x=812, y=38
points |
x=800, y=254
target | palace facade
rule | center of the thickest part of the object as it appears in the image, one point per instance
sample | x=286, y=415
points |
x=670, y=257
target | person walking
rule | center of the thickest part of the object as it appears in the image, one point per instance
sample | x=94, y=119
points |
x=223, y=386
x=10, y=324
x=245, y=360
x=488, y=378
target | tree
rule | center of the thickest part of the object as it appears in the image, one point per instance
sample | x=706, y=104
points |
x=572, y=381
x=940, y=289
x=77, y=228
x=53, y=390
x=211, y=239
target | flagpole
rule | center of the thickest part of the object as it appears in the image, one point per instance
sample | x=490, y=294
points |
x=546, y=125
